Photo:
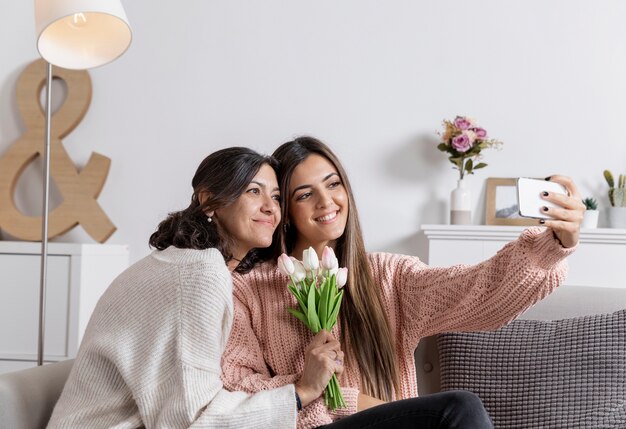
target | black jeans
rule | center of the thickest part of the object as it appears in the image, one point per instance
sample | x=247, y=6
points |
x=446, y=410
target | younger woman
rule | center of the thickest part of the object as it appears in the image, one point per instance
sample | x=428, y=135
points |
x=391, y=301
x=151, y=353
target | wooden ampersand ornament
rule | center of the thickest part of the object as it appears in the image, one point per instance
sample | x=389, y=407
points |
x=78, y=188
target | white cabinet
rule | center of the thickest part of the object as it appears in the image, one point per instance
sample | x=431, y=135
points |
x=598, y=262
x=78, y=274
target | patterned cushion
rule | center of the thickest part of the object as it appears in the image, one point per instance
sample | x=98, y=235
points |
x=568, y=373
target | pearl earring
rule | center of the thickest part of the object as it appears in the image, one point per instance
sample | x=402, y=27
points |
x=209, y=219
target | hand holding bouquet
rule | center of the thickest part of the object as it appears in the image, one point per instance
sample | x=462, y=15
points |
x=316, y=286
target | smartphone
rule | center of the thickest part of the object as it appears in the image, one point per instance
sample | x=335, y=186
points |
x=529, y=196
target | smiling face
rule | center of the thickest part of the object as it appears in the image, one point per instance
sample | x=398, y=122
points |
x=253, y=217
x=318, y=204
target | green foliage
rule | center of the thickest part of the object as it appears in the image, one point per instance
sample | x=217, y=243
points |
x=617, y=196
x=609, y=178
x=590, y=203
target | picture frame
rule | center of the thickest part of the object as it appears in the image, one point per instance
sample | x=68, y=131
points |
x=501, y=203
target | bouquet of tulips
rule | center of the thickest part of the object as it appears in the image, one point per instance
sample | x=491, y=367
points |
x=316, y=285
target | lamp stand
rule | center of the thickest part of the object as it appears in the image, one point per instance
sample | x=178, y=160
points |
x=44, y=223
x=75, y=35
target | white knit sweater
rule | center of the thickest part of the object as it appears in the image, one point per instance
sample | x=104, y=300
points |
x=151, y=353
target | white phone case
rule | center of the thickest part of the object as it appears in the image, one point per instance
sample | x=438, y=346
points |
x=529, y=196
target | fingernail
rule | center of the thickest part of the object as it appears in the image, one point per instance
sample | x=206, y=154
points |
x=544, y=208
x=544, y=193
x=542, y=221
x=549, y=177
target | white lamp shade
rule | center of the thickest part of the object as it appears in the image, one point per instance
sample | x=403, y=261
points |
x=81, y=34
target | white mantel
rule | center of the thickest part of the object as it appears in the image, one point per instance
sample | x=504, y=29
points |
x=598, y=261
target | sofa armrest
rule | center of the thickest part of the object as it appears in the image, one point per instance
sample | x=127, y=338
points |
x=427, y=366
x=27, y=397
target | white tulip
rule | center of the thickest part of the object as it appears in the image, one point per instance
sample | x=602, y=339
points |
x=329, y=260
x=310, y=260
x=342, y=277
x=299, y=273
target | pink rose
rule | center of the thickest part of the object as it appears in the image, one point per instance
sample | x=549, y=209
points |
x=461, y=143
x=462, y=123
x=481, y=133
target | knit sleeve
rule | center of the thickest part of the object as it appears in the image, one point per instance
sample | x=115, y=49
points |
x=243, y=365
x=317, y=413
x=192, y=395
x=485, y=296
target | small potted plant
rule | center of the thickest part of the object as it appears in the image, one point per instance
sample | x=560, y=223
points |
x=617, y=198
x=591, y=214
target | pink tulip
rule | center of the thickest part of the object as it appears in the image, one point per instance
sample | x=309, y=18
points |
x=329, y=260
x=285, y=265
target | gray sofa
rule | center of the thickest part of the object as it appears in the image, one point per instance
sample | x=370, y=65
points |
x=27, y=397
x=565, y=302
x=562, y=364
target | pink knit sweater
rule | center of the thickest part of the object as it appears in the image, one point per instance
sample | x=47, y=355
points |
x=266, y=345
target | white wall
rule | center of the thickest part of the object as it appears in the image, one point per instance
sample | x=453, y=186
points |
x=373, y=79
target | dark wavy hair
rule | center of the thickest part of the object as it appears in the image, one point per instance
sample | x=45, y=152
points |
x=365, y=328
x=221, y=178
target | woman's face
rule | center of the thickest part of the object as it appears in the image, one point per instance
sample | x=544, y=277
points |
x=253, y=217
x=318, y=204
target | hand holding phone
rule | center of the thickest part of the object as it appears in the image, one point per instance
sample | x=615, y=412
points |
x=529, y=196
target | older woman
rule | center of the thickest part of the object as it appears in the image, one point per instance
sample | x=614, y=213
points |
x=151, y=353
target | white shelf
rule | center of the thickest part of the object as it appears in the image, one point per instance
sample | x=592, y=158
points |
x=597, y=262
x=499, y=233
x=54, y=248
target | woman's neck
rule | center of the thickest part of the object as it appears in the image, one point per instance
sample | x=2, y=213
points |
x=235, y=259
x=232, y=264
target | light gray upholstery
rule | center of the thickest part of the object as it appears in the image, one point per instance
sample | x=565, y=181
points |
x=27, y=397
x=543, y=374
x=565, y=302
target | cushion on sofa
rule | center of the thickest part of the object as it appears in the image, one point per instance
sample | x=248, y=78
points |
x=568, y=373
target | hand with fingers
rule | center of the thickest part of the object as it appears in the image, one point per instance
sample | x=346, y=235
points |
x=323, y=358
x=566, y=219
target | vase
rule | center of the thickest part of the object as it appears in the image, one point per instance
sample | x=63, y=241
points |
x=460, y=205
x=590, y=219
x=617, y=217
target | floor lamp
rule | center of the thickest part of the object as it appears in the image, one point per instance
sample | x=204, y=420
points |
x=78, y=35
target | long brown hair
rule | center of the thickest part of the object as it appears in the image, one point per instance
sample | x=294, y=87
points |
x=372, y=343
x=222, y=177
